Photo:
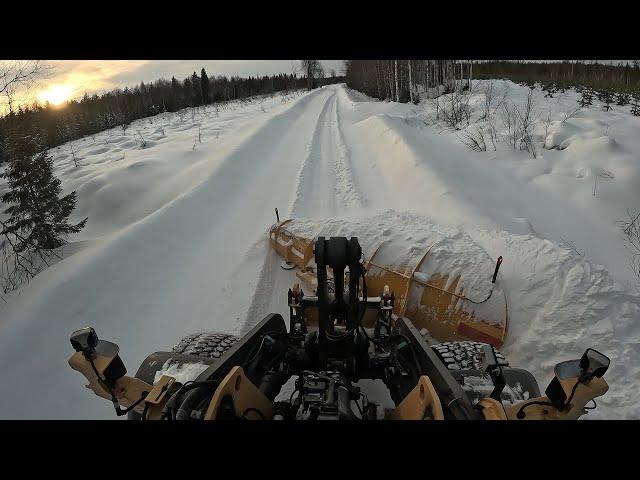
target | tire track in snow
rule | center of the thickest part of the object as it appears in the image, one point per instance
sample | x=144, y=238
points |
x=308, y=195
x=324, y=182
x=346, y=189
x=326, y=179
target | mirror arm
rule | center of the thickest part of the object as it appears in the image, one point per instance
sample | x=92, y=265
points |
x=541, y=408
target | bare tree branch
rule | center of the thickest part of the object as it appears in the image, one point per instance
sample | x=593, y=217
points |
x=18, y=75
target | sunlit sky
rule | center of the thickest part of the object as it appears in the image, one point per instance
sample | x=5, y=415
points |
x=70, y=79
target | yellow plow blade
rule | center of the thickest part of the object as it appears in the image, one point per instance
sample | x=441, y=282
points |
x=430, y=299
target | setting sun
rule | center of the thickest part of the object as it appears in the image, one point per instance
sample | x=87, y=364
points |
x=56, y=94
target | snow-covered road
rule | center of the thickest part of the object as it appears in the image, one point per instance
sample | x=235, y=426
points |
x=176, y=242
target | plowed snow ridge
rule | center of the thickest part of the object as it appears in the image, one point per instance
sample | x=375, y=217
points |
x=176, y=238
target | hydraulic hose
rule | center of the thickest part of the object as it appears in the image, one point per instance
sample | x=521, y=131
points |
x=191, y=399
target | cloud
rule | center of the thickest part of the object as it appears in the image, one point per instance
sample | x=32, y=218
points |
x=98, y=76
x=90, y=75
x=183, y=68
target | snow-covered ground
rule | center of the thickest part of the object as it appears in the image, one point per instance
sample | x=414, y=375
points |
x=176, y=236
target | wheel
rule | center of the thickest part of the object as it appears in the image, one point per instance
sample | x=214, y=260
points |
x=464, y=355
x=464, y=359
x=208, y=345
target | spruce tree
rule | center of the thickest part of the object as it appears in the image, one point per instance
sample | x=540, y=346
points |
x=38, y=217
x=175, y=95
x=622, y=98
x=196, y=93
x=586, y=98
x=204, y=87
x=606, y=96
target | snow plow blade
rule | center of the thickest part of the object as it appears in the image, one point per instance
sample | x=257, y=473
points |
x=430, y=286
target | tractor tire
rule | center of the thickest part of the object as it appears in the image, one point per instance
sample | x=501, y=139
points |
x=464, y=355
x=208, y=345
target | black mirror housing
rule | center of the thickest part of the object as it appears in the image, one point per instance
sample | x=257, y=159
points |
x=84, y=340
x=593, y=364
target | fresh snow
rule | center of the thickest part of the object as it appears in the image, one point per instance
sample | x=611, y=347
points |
x=176, y=238
x=182, y=372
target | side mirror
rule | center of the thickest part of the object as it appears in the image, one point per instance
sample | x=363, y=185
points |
x=85, y=340
x=105, y=354
x=593, y=364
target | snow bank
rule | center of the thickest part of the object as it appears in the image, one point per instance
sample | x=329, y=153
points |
x=561, y=304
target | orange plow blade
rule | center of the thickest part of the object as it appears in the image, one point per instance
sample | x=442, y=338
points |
x=431, y=285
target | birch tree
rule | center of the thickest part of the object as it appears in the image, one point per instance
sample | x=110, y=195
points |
x=410, y=82
x=312, y=70
x=396, y=79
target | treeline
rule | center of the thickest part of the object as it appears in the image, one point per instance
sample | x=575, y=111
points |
x=94, y=113
x=618, y=77
x=402, y=80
